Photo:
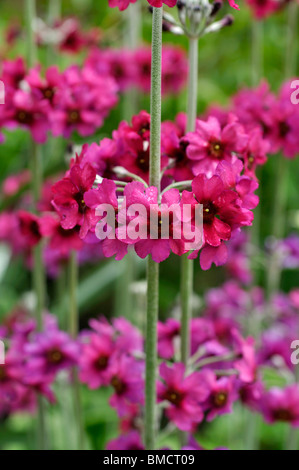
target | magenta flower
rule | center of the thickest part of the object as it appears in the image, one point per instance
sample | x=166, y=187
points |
x=24, y=110
x=127, y=382
x=130, y=441
x=210, y=144
x=281, y=405
x=106, y=194
x=217, y=203
x=83, y=102
x=95, y=361
x=265, y=8
x=60, y=240
x=167, y=333
x=184, y=395
x=159, y=3
x=69, y=198
x=51, y=352
x=222, y=395
x=246, y=364
x=159, y=246
x=29, y=228
x=121, y=4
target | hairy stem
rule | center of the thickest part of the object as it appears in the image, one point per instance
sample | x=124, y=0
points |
x=74, y=329
x=152, y=267
x=187, y=265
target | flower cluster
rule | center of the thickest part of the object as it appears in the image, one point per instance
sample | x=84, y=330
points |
x=75, y=100
x=112, y=356
x=132, y=68
x=266, y=8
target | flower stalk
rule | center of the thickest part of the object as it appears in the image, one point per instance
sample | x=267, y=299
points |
x=38, y=275
x=152, y=267
x=187, y=265
x=74, y=330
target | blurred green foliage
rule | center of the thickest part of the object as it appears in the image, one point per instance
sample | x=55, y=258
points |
x=225, y=67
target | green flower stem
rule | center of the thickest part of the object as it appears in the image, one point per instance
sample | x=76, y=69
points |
x=152, y=267
x=73, y=330
x=30, y=6
x=187, y=265
x=38, y=274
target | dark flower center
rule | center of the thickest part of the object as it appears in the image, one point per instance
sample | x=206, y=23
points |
x=284, y=129
x=48, y=93
x=209, y=212
x=283, y=415
x=142, y=161
x=73, y=117
x=2, y=374
x=180, y=153
x=81, y=203
x=101, y=363
x=174, y=397
x=55, y=356
x=216, y=149
x=118, y=385
x=24, y=117
x=220, y=399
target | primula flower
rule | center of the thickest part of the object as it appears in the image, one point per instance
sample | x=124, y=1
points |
x=69, y=200
x=265, y=8
x=130, y=441
x=24, y=110
x=60, y=240
x=184, y=394
x=83, y=102
x=127, y=382
x=167, y=333
x=121, y=4
x=210, y=144
x=29, y=228
x=106, y=194
x=95, y=361
x=222, y=395
x=158, y=246
x=281, y=405
x=51, y=352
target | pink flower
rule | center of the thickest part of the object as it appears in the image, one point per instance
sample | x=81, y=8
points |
x=159, y=3
x=281, y=405
x=51, y=352
x=69, y=198
x=121, y=4
x=130, y=441
x=23, y=109
x=29, y=228
x=217, y=203
x=106, y=194
x=210, y=144
x=60, y=240
x=127, y=382
x=167, y=333
x=222, y=395
x=184, y=395
x=95, y=363
x=158, y=246
x=83, y=102
x=265, y=8
x=246, y=364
